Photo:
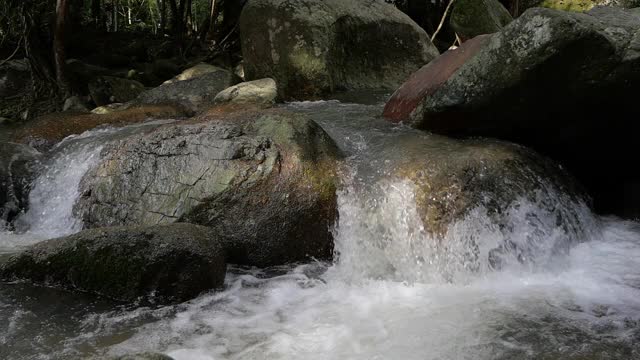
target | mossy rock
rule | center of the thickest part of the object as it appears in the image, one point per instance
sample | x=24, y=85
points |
x=315, y=47
x=471, y=18
x=265, y=179
x=551, y=97
x=161, y=264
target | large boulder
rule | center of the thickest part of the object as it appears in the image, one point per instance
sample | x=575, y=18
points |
x=260, y=92
x=195, y=88
x=266, y=180
x=163, y=264
x=452, y=206
x=108, y=89
x=313, y=47
x=18, y=168
x=532, y=83
x=47, y=130
x=470, y=18
x=454, y=177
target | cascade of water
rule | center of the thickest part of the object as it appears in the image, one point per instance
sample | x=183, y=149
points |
x=380, y=235
x=56, y=190
x=539, y=281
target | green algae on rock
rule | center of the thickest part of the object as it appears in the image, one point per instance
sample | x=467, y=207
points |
x=162, y=264
x=311, y=47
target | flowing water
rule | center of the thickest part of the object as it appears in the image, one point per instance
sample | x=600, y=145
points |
x=390, y=293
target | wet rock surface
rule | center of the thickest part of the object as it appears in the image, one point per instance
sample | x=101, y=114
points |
x=264, y=180
x=162, y=264
x=532, y=84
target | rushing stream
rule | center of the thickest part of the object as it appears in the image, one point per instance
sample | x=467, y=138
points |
x=390, y=294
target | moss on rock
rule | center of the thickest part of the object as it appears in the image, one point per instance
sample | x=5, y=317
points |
x=265, y=179
x=471, y=18
x=168, y=263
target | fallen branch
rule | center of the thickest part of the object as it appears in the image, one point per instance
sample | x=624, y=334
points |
x=12, y=54
x=446, y=11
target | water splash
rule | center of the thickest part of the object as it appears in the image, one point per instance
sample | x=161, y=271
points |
x=55, y=191
x=381, y=236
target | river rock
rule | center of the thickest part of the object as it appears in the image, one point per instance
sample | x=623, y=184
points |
x=260, y=92
x=470, y=18
x=470, y=206
x=454, y=177
x=18, y=168
x=164, y=263
x=75, y=103
x=532, y=84
x=108, y=89
x=264, y=180
x=315, y=47
x=195, y=88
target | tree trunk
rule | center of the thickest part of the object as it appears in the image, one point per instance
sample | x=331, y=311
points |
x=115, y=16
x=96, y=13
x=210, y=21
x=129, y=12
x=175, y=17
x=62, y=10
x=163, y=16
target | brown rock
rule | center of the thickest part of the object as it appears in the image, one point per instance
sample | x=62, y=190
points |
x=47, y=130
x=429, y=78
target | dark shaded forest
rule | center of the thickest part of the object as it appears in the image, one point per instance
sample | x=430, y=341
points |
x=146, y=40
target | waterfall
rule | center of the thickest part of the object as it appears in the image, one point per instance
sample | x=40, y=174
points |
x=544, y=278
x=56, y=190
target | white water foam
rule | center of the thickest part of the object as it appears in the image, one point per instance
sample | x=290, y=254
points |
x=54, y=192
x=568, y=290
x=391, y=294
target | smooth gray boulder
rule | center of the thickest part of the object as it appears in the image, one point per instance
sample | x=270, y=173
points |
x=160, y=264
x=264, y=180
x=260, y=92
x=314, y=47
